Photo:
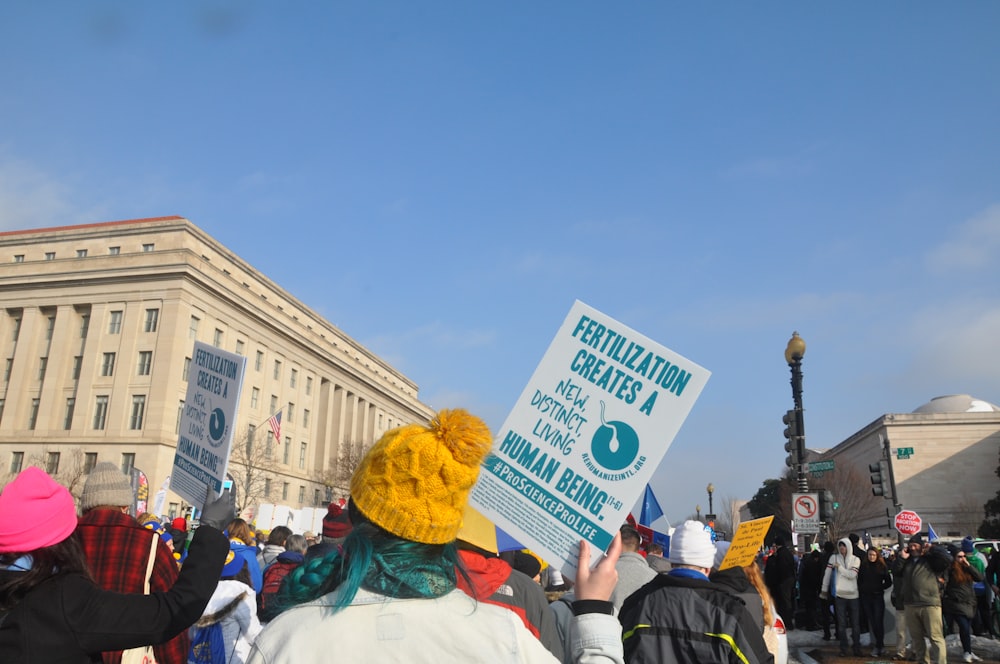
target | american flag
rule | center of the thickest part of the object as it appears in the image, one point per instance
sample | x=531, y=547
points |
x=275, y=423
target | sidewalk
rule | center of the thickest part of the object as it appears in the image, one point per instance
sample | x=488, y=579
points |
x=807, y=647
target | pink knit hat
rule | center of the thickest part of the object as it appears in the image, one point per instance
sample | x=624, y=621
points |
x=35, y=512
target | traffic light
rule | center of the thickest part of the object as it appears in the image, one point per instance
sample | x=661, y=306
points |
x=880, y=478
x=826, y=506
x=792, y=438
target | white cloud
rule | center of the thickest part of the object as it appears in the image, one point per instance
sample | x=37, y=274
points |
x=956, y=343
x=976, y=245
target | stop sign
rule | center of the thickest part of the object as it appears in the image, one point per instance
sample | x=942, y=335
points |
x=908, y=522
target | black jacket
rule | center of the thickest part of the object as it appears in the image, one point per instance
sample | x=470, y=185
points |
x=67, y=619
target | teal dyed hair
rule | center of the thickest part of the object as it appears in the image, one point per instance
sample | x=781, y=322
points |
x=375, y=560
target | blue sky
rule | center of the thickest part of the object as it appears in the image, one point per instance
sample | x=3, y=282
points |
x=442, y=180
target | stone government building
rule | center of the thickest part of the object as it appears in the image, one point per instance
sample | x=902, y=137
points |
x=97, y=326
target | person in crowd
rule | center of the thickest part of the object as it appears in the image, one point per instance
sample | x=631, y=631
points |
x=311, y=538
x=117, y=549
x=274, y=546
x=486, y=577
x=655, y=559
x=841, y=582
x=229, y=624
x=336, y=527
x=873, y=580
x=779, y=575
x=984, y=594
x=241, y=540
x=919, y=572
x=633, y=570
x=748, y=584
x=178, y=528
x=51, y=610
x=682, y=616
x=827, y=607
x=810, y=583
x=286, y=562
x=958, y=605
x=391, y=594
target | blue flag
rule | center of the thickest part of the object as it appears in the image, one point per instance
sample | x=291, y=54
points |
x=931, y=535
x=650, y=509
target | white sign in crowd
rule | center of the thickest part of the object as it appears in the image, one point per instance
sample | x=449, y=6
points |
x=589, y=429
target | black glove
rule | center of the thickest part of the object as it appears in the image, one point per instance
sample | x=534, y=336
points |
x=219, y=512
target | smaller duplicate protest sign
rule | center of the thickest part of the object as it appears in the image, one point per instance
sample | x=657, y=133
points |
x=746, y=543
x=589, y=429
x=207, y=423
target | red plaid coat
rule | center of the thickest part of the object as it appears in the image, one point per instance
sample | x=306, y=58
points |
x=117, y=547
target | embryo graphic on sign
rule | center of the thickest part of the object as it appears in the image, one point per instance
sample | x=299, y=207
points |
x=217, y=428
x=615, y=445
x=577, y=450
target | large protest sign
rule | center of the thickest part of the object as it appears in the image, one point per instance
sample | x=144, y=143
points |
x=207, y=421
x=577, y=450
x=746, y=543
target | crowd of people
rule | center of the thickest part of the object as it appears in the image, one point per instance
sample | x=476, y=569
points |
x=394, y=576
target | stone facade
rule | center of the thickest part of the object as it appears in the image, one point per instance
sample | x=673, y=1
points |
x=97, y=325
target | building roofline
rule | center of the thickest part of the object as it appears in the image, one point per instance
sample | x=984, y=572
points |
x=100, y=224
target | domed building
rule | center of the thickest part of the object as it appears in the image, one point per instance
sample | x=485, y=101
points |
x=943, y=458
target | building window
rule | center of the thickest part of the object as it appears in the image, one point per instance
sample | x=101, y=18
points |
x=52, y=463
x=148, y=246
x=128, y=463
x=284, y=490
x=302, y=494
x=115, y=323
x=180, y=414
x=50, y=325
x=254, y=397
x=239, y=347
x=305, y=418
x=309, y=385
x=81, y=253
x=3, y=402
x=152, y=319
x=287, y=453
x=17, y=328
x=33, y=414
x=293, y=378
x=114, y=251
x=277, y=369
x=186, y=371
x=269, y=447
x=291, y=413
x=89, y=461
x=84, y=325
x=77, y=365
x=8, y=365
x=18, y=258
x=145, y=362
x=100, y=411
x=70, y=407
x=302, y=456
x=43, y=363
x=138, y=411
x=50, y=255
x=193, y=327
x=315, y=496
x=259, y=363
x=217, y=338
x=274, y=404
x=267, y=487
x=16, y=461
x=108, y=365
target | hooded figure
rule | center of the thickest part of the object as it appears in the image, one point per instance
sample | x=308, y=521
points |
x=841, y=581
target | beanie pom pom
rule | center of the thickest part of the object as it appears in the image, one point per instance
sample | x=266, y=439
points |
x=465, y=435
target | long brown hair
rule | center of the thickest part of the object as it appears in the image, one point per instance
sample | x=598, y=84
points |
x=239, y=529
x=752, y=572
x=958, y=573
x=65, y=557
x=879, y=560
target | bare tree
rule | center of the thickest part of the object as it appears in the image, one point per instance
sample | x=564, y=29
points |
x=336, y=477
x=852, y=492
x=968, y=513
x=728, y=519
x=252, y=463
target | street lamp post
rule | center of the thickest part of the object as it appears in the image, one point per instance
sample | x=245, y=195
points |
x=697, y=512
x=711, y=490
x=794, y=352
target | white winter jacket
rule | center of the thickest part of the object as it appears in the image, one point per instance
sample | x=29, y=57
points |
x=451, y=628
x=239, y=625
x=845, y=567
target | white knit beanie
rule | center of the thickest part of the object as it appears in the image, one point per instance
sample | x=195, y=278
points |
x=106, y=485
x=691, y=544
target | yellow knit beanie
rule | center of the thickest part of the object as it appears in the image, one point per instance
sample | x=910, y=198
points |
x=416, y=479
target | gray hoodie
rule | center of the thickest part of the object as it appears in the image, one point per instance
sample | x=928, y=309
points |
x=845, y=566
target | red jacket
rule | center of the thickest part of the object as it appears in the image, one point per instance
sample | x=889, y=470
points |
x=117, y=548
